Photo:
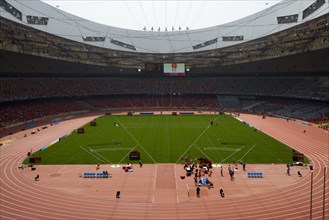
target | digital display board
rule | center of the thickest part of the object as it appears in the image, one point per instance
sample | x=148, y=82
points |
x=174, y=69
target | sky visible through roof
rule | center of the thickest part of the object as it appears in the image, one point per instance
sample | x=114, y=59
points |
x=162, y=14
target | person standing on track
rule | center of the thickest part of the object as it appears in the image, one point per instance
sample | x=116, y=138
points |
x=198, y=191
x=221, y=192
x=117, y=195
x=288, y=171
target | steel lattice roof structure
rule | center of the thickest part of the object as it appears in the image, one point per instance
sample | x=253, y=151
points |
x=288, y=28
x=279, y=17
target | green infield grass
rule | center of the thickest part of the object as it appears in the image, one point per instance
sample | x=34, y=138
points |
x=166, y=139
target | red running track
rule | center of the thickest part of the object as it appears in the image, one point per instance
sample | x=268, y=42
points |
x=21, y=198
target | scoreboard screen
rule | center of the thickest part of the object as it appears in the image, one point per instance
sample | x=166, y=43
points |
x=174, y=69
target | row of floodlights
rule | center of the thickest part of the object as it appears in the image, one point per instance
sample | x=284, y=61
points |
x=166, y=29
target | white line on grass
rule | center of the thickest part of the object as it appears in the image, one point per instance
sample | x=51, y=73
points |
x=203, y=152
x=92, y=154
x=127, y=154
x=195, y=141
x=135, y=140
x=221, y=148
x=111, y=149
x=99, y=155
x=247, y=152
x=237, y=150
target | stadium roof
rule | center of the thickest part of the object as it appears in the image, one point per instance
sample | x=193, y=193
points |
x=162, y=14
x=281, y=16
